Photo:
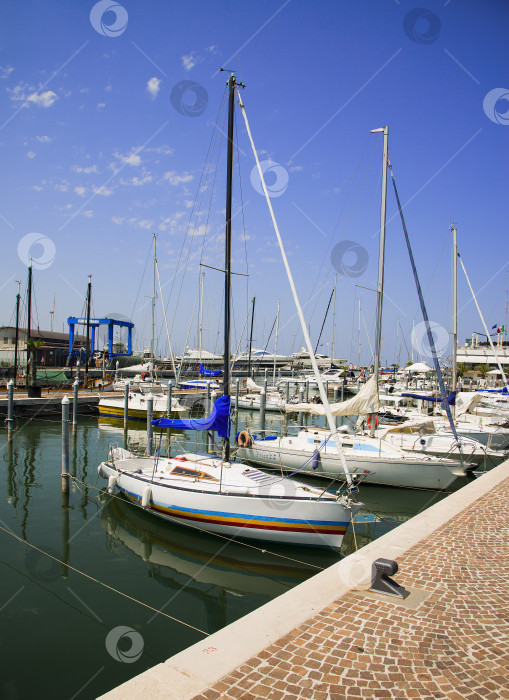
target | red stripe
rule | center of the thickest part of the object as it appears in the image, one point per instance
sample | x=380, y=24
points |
x=254, y=526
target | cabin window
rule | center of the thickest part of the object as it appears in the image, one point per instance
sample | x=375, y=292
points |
x=193, y=473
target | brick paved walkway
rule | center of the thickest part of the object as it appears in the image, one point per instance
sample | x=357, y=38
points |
x=454, y=645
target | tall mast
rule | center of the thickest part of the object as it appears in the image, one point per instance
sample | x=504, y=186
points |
x=275, y=344
x=228, y=245
x=52, y=313
x=200, y=329
x=87, y=346
x=334, y=316
x=153, y=309
x=359, y=338
x=397, y=340
x=454, y=305
x=251, y=339
x=29, y=312
x=381, y=256
x=16, y=337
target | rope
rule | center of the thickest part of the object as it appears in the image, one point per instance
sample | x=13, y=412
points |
x=105, y=585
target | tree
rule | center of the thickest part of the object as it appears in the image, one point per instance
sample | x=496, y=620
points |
x=34, y=345
x=461, y=369
x=482, y=369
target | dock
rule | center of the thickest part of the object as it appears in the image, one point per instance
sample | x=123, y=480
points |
x=331, y=638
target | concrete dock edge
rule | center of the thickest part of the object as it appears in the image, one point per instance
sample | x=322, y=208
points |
x=197, y=668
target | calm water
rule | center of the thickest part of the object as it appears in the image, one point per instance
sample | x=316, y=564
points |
x=61, y=633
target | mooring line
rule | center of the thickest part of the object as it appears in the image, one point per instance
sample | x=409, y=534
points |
x=105, y=585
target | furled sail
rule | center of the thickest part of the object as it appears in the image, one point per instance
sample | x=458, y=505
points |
x=364, y=403
x=218, y=420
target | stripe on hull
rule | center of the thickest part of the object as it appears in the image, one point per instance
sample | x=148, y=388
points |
x=244, y=520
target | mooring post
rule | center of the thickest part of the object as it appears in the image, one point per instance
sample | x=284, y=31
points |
x=150, y=431
x=170, y=391
x=126, y=405
x=262, y=410
x=207, y=402
x=78, y=369
x=10, y=408
x=287, y=391
x=343, y=390
x=65, y=445
x=336, y=394
x=265, y=375
x=237, y=391
x=301, y=400
x=327, y=387
x=117, y=365
x=307, y=390
x=75, y=404
x=265, y=385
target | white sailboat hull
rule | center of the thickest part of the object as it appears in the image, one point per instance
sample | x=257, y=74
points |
x=232, y=511
x=410, y=473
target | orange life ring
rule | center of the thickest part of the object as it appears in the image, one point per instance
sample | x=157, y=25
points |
x=368, y=422
x=244, y=439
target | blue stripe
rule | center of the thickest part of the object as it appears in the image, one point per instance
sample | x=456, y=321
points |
x=244, y=516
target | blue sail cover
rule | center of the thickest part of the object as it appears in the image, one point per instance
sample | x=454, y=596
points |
x=218, y=420
x=449, y=400
x=209, y=372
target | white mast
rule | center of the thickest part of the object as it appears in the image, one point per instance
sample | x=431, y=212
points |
x=334, y=316
x=275, y=344
x=359, y=340
x=454, y=305
x=200, y=329
x=52, y=313
x=381, y=260
x=152, y=357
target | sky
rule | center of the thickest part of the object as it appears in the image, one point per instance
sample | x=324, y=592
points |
x=112, y=129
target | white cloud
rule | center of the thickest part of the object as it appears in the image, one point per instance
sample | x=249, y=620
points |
x=137, y=181
x=89, y=213
x=145, y=223
x=89, y=169
x=28, y=95
x=153, y=87
x=5, y=71
x=31, y=154
x=118, y=220
x=174, y=179
x=200, y=230
x=188, y=203
x=189, y=61
x=102, y=190
x=80, y=191
x=132, y=159
x=296, y=168
x=37, y=188
x=101, y=105
x=164, y=149
x=43, y=139
x=43, y=99
x=62, y=188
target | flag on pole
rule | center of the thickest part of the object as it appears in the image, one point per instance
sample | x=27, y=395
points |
x=495, y=326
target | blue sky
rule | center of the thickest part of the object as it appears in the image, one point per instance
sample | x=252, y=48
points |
x=96, y=158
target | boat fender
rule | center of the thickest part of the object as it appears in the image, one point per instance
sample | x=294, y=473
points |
x=144, y=375
x=244, y=439
x=145, y=499
x=368, y=422
x=244, y=383
x=315, y=459
x=111, y=482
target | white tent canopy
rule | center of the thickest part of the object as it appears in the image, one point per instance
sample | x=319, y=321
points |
x=418, y=367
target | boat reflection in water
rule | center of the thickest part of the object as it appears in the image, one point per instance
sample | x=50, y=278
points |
x=181, y=558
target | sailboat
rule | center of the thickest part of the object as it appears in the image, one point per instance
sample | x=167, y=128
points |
x=379, y=461
x=216, y=494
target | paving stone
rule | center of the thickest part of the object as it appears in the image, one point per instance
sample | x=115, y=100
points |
x=454, y=646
